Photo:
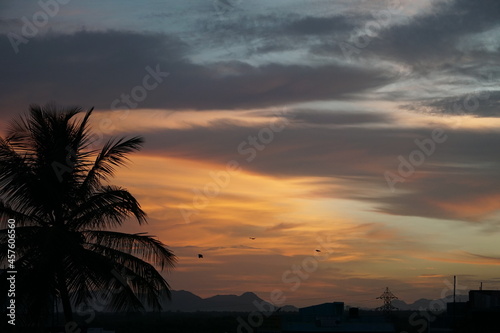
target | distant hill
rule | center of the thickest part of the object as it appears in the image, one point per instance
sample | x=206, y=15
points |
x=426, y=304
x=186, y=301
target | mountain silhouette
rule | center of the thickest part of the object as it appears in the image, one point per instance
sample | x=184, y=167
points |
x=426, y=304
x=185, y=301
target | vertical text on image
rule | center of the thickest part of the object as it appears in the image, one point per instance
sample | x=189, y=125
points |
x=11, y=272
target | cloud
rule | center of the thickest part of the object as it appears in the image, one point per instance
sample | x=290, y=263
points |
x=492, y=258
x=95, y=68
x=323, y=173
x=245, y=32
x=463, y=196
x=310, y=25
x=216, y=248
x=464, y=257
x=339, y=117
x=432, y=39
x=441, y=54
x=452, y=42
x=432, y=276
x=87, y=68
x=283, y=226
x=459, y=180
x=478, y=103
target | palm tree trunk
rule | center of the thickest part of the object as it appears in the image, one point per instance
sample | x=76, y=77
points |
x=63, y=291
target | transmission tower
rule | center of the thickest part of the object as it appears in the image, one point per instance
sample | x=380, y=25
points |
x=387, y=296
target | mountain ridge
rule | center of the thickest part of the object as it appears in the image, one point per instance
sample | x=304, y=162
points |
x=428, y=304
x=186, y=301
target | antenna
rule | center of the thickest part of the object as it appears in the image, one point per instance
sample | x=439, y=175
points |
x=454, y=288
x=387, y=296
x=454, y=303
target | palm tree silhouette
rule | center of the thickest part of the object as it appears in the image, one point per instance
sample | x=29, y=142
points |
x=52, y=183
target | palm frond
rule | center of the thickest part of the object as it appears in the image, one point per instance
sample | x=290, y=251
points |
x=22, y=218
x=106, y=208
x=140, y=244
x=134, y=264
x=147, y=288
x=92, y=275
x=15, y=175
x=51, y=183
x=24, y=241
x=113, y=154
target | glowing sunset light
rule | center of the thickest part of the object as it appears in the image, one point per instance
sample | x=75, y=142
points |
x=288, y=145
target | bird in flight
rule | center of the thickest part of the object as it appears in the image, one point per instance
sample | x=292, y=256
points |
x=200, y=255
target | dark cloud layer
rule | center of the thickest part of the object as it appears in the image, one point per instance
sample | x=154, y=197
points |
x=96, y=68
x=461, y=171
x=258, y=33
x=479, y=103
x=310, y=25
x=235, y=55
x=90, y=68
x=433, y=38
x=339, y=118
x=433, y=43
x=85, y=69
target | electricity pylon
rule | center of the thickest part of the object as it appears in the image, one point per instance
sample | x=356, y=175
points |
x=387, y=296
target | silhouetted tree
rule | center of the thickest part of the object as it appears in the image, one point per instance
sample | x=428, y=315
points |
x=53, y=183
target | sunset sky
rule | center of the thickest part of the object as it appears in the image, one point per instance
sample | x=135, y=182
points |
x=368, y=130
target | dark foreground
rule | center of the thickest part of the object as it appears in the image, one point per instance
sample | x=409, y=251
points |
x=236, y=322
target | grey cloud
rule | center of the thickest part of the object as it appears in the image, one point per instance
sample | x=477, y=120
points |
x=268, y=85
x=339, y=118
x=462, y=169
x=318, y=150
x=258, y=35
x=443, y=194
x=320, y=25
x=478, y=103
x=89, y=68
x=430, y=41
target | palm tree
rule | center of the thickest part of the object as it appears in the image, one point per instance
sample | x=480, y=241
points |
x=53, y=184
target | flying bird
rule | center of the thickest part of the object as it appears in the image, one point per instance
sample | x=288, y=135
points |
x=200, y=255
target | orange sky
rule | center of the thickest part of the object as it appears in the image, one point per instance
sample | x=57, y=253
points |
x=329, y=110
x=362, y=250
